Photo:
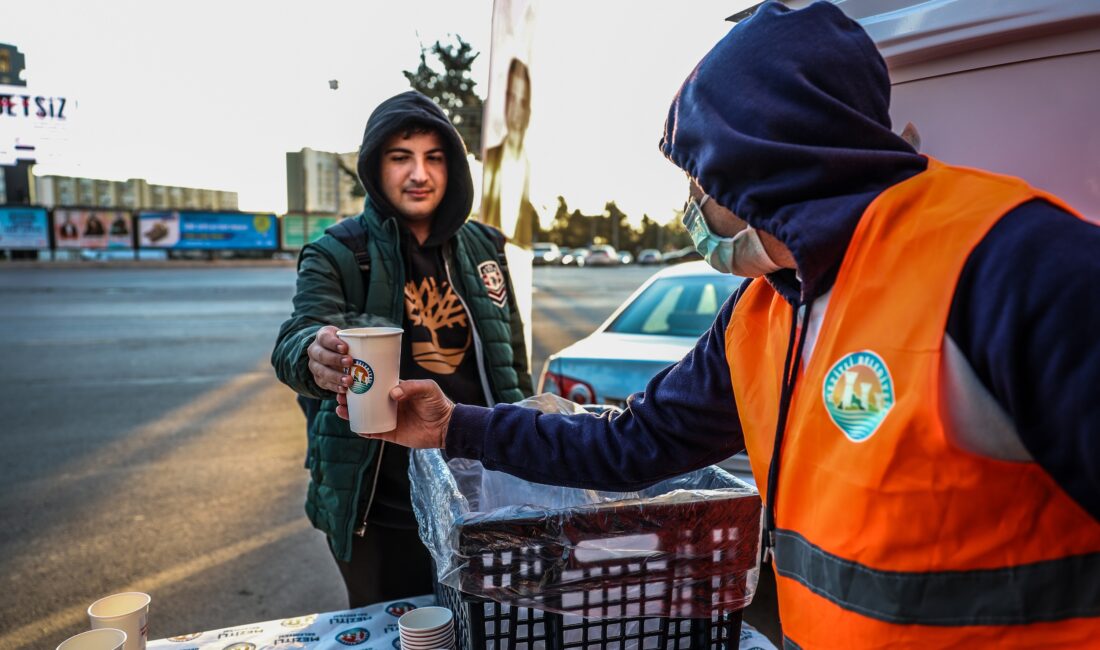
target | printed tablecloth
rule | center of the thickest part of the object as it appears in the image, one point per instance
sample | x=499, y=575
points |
x=367, y=628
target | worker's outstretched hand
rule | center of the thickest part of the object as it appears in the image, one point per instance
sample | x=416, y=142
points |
x=423, y=413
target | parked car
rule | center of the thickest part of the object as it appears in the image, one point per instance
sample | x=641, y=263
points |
x=649, y=256
x=571, y=256
x=601, y=256
x=625, y=257
x=653, y=329
x=546, y=253
x=688, y=254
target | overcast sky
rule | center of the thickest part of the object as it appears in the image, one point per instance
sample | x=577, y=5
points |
x=213, y=93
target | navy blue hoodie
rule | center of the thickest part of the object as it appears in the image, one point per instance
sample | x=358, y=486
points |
x=785, y=122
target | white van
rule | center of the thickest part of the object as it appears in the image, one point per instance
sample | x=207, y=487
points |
x=1011, y=86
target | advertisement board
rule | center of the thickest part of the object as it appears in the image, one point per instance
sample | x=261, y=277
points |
x=292, y=231
x=24, y=228
x=300, y=229
x=92, y=229
x=33, y=124
x=186, y=230
x=316, y=225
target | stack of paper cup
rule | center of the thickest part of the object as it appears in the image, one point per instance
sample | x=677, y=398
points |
x=427, y=628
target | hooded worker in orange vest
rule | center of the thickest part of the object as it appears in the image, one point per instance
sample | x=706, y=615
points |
x=912, y=364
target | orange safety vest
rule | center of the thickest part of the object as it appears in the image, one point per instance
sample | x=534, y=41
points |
x=888, y=535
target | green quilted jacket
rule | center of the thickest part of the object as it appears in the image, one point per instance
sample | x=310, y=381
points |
x=330, y=291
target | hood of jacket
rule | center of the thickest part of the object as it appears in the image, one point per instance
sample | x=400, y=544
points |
x=786, y=123
x=394, y=115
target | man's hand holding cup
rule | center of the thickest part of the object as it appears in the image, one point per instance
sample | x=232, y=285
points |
x=423, y=414
x=329, y=360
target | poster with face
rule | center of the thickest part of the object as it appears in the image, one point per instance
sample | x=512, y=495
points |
x=507, y=169
x=93, y=229
x=506, y=182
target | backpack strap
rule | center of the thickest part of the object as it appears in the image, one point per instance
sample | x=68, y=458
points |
x=353, y=235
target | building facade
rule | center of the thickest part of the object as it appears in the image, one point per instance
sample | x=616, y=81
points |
x=12, y=63
x=133, y=194
x=323, y=182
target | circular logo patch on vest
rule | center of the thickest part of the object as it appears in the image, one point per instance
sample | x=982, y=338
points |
x=362, y=377
x=858, y=394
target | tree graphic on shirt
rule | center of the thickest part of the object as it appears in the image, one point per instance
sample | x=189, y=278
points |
x=428, y=307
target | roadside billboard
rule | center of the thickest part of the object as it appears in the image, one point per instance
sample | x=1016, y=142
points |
x=33, y=124
x=297, y=230
x=24, y=228
x=197, y=230
x=92, y=229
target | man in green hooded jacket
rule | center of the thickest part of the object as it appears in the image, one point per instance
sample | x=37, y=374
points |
x=444, y=281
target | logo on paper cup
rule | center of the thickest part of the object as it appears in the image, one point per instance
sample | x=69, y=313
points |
x=400, y=608
x=858, y=394
x=362, y=377
x=354, y=636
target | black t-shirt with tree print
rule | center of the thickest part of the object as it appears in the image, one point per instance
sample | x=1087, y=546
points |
x=438, y=344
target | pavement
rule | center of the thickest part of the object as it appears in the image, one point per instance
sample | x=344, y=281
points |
x=147, y=445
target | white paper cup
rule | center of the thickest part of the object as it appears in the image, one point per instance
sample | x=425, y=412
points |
x=375, y=363
x=128, y=612
x=102, y=639
x=425, y=623
x=443, y=642
x=446, y=643
x=427, y=639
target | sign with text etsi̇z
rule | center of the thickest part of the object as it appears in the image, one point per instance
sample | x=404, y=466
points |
x=33, y=124
x=92, y=229
x=24, y=228
x=207, y=230
x=297, y=230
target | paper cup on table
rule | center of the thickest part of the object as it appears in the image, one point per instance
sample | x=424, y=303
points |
x=375, y=361
x=427, y=628
x=102, y=639
x=128, y=612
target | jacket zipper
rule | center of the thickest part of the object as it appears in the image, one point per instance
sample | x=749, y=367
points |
x=390, y=225
x=362, y=530
x=477, y=340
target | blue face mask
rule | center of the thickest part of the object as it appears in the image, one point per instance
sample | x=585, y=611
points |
x=743, y=254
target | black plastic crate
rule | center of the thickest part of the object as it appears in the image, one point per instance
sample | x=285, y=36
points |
x=543, y=582
x=487, y=625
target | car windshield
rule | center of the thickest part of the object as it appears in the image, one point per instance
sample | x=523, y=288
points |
x=682, y=306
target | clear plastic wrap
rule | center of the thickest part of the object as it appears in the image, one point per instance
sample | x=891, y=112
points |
x=686, y=547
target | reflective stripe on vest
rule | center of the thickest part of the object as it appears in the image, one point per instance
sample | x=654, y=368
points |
x=890, y=536
x=1046, y=591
